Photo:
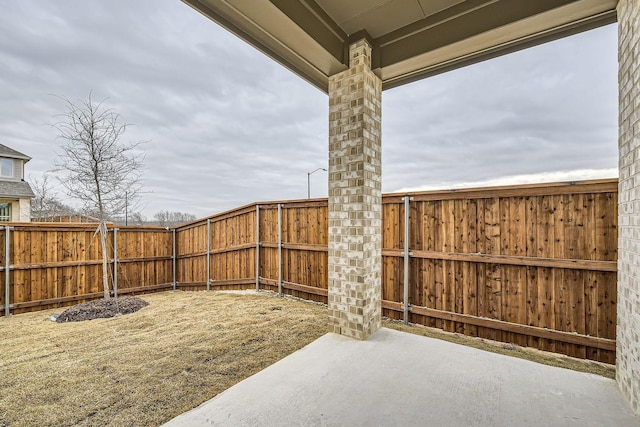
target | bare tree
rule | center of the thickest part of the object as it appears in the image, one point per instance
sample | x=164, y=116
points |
x=137, y=218
x=45, y=205
x=168, y=219
x=96, y=168
x=42, y=191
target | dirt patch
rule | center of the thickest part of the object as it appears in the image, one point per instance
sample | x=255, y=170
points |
x=101, y=309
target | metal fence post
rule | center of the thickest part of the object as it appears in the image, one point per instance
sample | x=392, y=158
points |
x=7, y=270
x=115, y=263
x=257, y=247
x=407, y=200
x=174, y=258
x=208, y=254
x=279, y=249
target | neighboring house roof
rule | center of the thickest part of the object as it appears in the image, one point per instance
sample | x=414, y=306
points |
x=15, y=189
x=13, y=154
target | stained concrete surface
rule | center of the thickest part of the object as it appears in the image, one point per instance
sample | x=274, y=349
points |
x=399, y=379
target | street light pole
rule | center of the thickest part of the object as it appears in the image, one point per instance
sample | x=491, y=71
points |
x=309, y=180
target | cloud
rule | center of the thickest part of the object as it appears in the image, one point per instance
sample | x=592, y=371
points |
x=227, y=126
x=553, y=107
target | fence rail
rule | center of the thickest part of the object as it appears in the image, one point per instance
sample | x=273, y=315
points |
x=59, y=264
x=533, y=265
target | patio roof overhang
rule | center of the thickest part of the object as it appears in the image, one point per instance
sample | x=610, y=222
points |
x=411, y=39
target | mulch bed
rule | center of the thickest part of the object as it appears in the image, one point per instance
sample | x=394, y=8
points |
x=101, y=308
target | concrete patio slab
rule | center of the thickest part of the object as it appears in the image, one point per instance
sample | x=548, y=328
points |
x=399, y=379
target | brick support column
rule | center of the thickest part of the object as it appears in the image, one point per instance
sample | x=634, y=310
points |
x=355, y=197
x=628, y=327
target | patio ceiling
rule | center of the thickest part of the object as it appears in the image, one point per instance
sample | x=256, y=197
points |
x=411, y=39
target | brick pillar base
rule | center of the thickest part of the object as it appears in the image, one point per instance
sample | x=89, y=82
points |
x=628, y=328
x=355, y=197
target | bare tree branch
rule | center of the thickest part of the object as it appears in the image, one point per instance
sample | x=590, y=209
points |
x=169, y=219
x=46, y=205
x=95, y=167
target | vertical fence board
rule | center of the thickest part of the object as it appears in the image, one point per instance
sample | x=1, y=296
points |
x=513, y=223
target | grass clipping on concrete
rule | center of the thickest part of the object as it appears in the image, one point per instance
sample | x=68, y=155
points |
x=146, y=367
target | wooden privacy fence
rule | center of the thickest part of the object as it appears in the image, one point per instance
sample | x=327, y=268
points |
x=533, y=265
x=222, y=252
x=60, y=264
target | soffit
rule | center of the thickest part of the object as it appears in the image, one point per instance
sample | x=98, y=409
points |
x=380, y=17
x=412, y=39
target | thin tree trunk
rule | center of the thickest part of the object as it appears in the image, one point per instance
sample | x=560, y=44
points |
x=105, y=259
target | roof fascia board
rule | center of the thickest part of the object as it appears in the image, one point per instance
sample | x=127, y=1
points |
x=480, y=56
x=481, y=20
x=235, y=22
x=301, y=36
x=574, y=19
x=315, y=22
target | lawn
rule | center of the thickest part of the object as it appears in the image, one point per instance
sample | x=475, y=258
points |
x=147, y=367
x=183, y=349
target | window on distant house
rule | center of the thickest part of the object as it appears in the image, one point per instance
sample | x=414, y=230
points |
x=6, y=168
x=5, y=212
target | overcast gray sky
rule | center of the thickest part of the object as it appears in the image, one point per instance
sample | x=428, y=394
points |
x=228, y=126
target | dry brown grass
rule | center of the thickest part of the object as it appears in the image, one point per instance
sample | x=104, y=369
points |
x=184, y=348
x=532, y=354
x=147, y=367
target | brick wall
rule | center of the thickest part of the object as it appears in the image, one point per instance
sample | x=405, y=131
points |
x=628, y=328
x=355, y=197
